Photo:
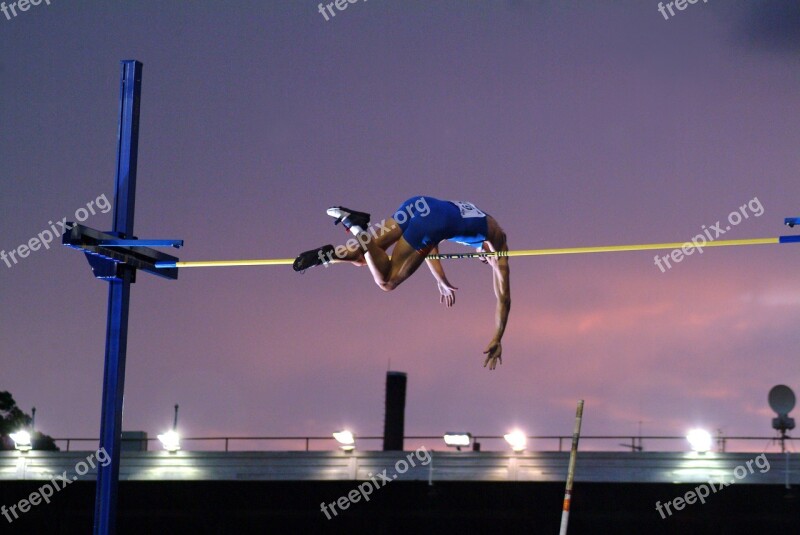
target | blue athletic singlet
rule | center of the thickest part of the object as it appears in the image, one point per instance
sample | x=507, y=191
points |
x=425, y=221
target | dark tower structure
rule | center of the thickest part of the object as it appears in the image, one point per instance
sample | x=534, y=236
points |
x=394, y=422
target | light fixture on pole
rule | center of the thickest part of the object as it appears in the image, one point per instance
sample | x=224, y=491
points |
x=699, y=440
x=346, y=439
x=171, y=440
x=517, y=440
x=457, y=440
x=781, y=400
x=22, y=440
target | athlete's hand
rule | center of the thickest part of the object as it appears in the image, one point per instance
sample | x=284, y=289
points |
x=448, y=291
x=494, y=354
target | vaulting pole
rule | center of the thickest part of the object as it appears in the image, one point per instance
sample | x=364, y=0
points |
x=571, y=471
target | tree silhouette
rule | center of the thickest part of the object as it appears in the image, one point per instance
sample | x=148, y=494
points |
x=12, y=419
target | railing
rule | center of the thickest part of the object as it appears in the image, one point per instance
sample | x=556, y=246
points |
x=298, y=443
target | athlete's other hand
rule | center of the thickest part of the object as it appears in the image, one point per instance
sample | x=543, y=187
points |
x=494, y=354
x=448, y=291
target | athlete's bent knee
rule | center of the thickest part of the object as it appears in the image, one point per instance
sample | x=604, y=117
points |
x=388, y=286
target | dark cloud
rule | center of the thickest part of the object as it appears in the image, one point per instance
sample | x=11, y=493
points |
x=774, y=25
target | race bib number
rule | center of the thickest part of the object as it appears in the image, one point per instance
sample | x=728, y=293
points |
x=468, y=209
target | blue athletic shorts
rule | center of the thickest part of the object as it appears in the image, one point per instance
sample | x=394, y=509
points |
x=425, y=221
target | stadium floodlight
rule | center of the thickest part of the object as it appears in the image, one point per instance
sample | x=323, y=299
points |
x=781, y=399
x=22, y=440
x=346, y=439
x=517, y=440
x=457, y=440
x=171, y=440
x=699, y=440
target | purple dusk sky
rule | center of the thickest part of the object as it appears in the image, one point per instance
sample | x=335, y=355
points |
x=573, y=123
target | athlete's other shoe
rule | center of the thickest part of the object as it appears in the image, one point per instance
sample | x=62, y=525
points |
x=314, y=257
x=349, y=218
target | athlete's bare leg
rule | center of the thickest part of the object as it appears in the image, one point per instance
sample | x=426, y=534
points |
x=384, y=234
x=388, y=272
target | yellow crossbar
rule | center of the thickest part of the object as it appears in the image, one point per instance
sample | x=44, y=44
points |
x=524, y=252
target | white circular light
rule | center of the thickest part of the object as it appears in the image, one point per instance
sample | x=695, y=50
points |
x=699, y=440
x=517, y=440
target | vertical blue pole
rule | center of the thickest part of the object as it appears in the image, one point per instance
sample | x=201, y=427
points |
x=118, y=301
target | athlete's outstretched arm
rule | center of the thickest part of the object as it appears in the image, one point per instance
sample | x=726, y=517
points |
x=502, y=290
x=447, y=290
